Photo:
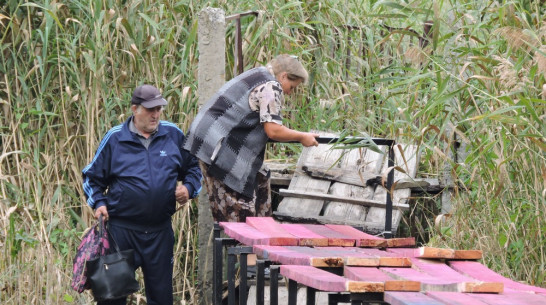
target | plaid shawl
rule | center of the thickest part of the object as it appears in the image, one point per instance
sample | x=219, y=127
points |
x=229, y=130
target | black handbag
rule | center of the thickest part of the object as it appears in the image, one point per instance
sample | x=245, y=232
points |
x=112, y=276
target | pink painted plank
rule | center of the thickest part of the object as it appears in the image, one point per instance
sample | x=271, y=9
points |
x=263, y=250
x=514, y=298
x=480, y=272
x=371, y=274
x=387, y=258
x=409, y=298
x=245, y=233
x=362, y=239
x=306, y=237
x=349, y=257
x=437, y=282
x=269, y=226
x=290, y=256
x=405, y=252
x=334, y=238
x=326, y=281
x=455, y=298
x=434, y=267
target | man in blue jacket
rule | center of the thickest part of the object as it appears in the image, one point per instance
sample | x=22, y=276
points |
x=133, y=181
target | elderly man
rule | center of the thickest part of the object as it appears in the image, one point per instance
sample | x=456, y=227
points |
x=133, y=182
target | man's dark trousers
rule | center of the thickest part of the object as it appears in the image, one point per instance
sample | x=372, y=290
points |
x=154, y=254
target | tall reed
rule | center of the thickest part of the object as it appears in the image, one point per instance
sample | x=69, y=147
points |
x=68, y=69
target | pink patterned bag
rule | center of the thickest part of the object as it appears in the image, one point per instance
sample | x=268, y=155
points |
x=94, y=243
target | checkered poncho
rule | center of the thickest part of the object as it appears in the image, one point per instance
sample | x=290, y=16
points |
x=227, y=134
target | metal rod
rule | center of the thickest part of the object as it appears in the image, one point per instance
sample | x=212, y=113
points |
x=390, y=181
x=243, y=275
x=346, y=140
x=217, y=271
x=260, y=282
x=311, y=295
x=292, y=292
x=231, y=261
x=273, y=285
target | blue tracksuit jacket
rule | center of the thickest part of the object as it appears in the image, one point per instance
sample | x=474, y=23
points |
x=136, y=184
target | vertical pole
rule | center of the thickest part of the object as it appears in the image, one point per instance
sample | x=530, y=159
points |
x=232, y=260
x=292, y=292
x=243, y=262
x=311, y=293
x=260, y=282
x=211, y=76
x=273, y=285
x=390, y=181
x=217, y=277
x=239, y=47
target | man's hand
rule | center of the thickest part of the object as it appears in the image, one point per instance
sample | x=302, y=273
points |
x=181, y=194
x=101, y=210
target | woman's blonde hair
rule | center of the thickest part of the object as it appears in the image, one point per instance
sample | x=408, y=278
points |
x=289, y=64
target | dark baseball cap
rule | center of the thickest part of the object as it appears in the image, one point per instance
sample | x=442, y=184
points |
x=148, y=96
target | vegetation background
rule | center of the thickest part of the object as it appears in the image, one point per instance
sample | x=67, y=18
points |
x=67, y=70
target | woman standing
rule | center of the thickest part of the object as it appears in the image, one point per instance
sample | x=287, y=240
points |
x=230, y=133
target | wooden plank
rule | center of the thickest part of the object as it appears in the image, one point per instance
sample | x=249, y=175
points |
x=409, y=298
x=305, y=236
x=362, y=239
x=435, y=267
x=405, y=252
x=321, y=154
x=245, y=234
x=327, y=197
x=468, y=254
x=386, y=258
x=334, y=238
x=455, y=298
x=401, y=242
x=437, y=282
x=370, y=227
x=289, y=256
x=358, y=178
x=326, y=281
x=431, y=252
x=371, y=274
x=350, y=258
x=518, y=298
x=352, y=255
x=362, y=160
x=406, y=157
x=480, y=272
x=269, y=226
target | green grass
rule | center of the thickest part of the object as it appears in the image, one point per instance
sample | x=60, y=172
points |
x=67, y=70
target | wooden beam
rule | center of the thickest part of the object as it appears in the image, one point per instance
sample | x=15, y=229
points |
x=327, y=197
x=430, y=252
x=305, y=236
x=269, y=226
x=480, y=272
x=371, y=274
x=468, y=254
x=436, y=281
x=409, y=298
x=326, y=281
x=362, y=239
x=456, y=298
x=291, y=256
x=334, y=238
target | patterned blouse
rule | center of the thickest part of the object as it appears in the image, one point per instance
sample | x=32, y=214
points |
x=268, y=100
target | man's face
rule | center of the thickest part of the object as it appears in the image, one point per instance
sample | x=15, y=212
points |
x=146, y=119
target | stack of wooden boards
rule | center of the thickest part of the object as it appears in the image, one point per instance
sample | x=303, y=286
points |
x=345, y=186
x=367, y=263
